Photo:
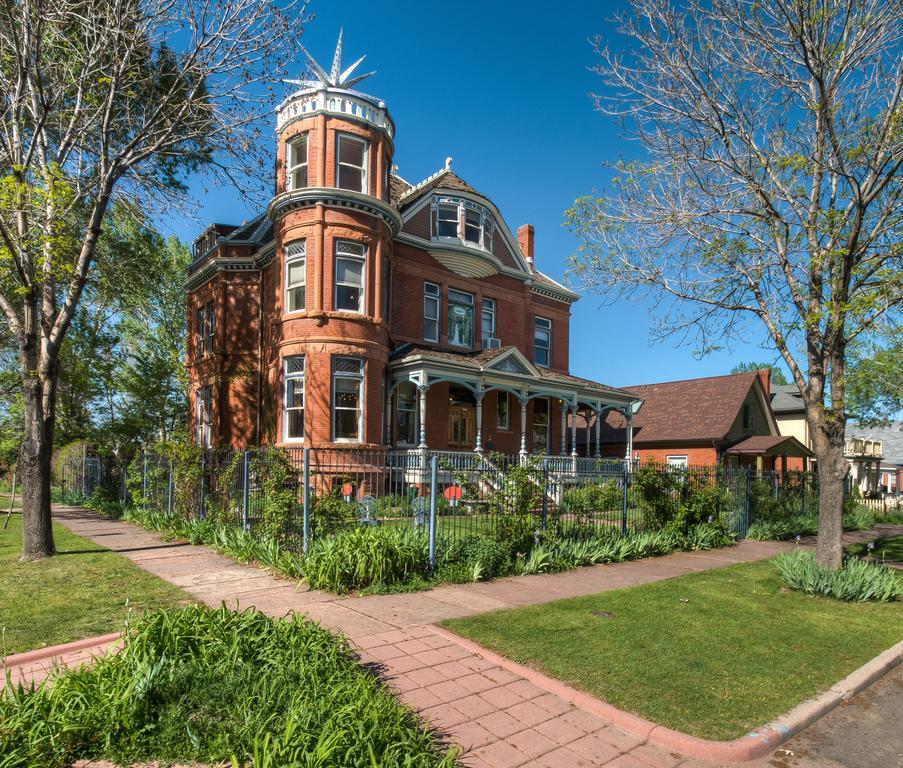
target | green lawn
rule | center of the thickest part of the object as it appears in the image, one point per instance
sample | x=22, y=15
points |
x=79, y=593
x=713, y=654
x=886, y=548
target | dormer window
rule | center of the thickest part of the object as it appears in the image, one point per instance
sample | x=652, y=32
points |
x=351, y=163
x=296, y=163
x=462, y=220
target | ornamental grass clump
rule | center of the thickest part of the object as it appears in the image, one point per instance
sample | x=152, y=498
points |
x=366, y=557
x=209, y=685
x=857, y=581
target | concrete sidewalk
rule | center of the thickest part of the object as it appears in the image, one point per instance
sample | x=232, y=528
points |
x=500, y=719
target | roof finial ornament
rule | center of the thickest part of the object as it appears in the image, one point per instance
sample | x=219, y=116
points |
x=448, y=162
x=335, y=78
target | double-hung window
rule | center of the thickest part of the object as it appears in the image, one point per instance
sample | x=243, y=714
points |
x=351, y=163
x=431, y=297
x=504, y=411
x=296, y=162
x=347, y=410
x=542, y=354
x=200, y=332
x=350, y=258
x=406, y=414
x=295, y=276
x=203, y=416
x=447, y=219
x=487, y=320
x=293, y=398
x=460, y=318
x=211, y=327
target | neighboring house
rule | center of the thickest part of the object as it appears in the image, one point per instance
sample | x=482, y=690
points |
x=875, y=456
x=704, y=421
x=360, y=309
x=790, y=414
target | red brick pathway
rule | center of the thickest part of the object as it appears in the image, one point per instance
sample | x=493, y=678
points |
x=500, y=719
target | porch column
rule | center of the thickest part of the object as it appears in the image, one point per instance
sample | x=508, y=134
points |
x=588, y=441
x=573, y=431
x=523, y=426
x=598, y=434
x=564, y=429
x=479, y=398
x=388, y=419
x=422, y=389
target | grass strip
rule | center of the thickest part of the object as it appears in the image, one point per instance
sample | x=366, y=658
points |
x=713, y=654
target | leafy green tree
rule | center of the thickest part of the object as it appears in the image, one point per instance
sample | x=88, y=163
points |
x=875, y=380
x=777, y=375
x=105, y=100
x=766, y=194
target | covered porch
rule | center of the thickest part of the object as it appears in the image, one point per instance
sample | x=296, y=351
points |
x=496, y=401
x=766, y=453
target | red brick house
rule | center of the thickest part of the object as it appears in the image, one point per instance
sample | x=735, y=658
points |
x=362, y=309
x=704, y=421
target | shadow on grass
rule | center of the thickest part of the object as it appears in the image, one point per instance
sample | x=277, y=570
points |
x=126, y=549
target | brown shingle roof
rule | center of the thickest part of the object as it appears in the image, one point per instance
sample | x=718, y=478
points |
x=770, y=445
x=444, y=180
x=398, y=188
x=694, y=409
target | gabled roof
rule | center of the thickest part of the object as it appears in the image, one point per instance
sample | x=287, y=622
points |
x=786, y=398
x=398, y=188
x=689, y=410
x=444, y=179
x=257, y=231
x=770, y=445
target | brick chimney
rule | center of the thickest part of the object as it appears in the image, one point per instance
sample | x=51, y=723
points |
x=525, y=241
x=764, y=375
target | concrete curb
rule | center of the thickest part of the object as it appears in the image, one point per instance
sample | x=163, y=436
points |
x=754, y=745
x=55, y=651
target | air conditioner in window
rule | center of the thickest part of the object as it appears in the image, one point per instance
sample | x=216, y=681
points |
x=490, y=342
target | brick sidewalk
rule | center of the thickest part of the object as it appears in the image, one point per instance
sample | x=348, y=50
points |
x=500, y=719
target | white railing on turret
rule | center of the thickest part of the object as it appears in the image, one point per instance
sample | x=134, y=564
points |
x=337, y=102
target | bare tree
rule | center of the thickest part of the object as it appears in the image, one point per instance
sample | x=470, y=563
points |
x=766, y=193
x=107, y=98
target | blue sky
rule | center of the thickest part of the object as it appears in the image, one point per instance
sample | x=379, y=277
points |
x=503, y=88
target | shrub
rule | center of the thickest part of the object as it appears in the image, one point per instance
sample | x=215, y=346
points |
x=104, y=500
x=856, y=581
x=657, y=491
x=585, y=503
x=365, y=557
x=209, y=685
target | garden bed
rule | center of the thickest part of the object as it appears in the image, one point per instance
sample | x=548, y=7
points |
x=887, y=549
x=85, y=590
x=713, y=654
x=209, y=685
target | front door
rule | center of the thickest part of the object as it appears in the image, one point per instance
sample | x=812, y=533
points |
x=461, y=427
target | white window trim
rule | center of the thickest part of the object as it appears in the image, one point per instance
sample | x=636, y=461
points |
x=365, y=159
x=289, y=260
x=677, y=460
x=547, y=364
x=292, y=165
x=414, y=410
x=200, y=338
x=493, y=312
x=210, y=329
x=203, y=415
x=437, y=297
x=286, y=377
x=448, y=304
x=360, y=398
x=487, y=223
x=548, y=446
x=335, y=283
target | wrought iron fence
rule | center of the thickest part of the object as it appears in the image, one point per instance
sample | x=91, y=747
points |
x=298, y=495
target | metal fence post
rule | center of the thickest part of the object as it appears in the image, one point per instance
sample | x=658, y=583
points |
x=545, y=500
x=434, y=506
x=169, y=488
x=246, y=491
x=624, y=480
x=305, y=496
x=803, y=479
x=747, y=506
x=202, y=490
x=144, y=478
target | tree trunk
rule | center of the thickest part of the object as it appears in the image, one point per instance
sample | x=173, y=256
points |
x=37, y=448
x=828, y=441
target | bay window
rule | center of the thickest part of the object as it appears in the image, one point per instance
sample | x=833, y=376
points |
x=347, y=386
x=351, y=163
x=431, y=297
x=450, y=212
x=447, y=220
x=296, y=163
x=350, y=258
x=542, y=351
x=295, y=276
x=293, y=398
x=460, y=318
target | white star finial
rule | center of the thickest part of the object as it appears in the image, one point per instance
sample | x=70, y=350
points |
x=336, y=78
